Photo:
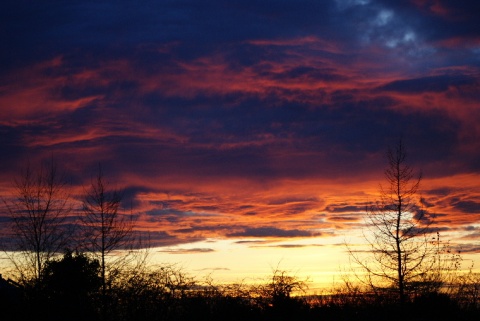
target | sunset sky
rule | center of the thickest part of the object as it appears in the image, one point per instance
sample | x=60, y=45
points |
x=248, y=134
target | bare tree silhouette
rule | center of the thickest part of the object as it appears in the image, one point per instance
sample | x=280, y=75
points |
x=38, y=213
x=105, y=228
x=403, y=252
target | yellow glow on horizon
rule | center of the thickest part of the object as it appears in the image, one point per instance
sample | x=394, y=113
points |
x=231, y=262
x=322, y=262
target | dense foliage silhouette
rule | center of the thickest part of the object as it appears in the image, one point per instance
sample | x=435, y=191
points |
x=70, y=289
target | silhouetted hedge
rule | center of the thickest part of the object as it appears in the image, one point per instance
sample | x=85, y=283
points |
x=70, y=289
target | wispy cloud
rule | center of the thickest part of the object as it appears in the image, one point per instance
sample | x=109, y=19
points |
x=187, y=251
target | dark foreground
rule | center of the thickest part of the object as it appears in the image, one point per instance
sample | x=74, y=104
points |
x=208, y=305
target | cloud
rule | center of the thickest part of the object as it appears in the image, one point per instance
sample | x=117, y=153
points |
x=188, y=251
x=214, y=269
x=290, y=246
x=158, y=238
x=268, y=231
x=467, y=206
x=345, y=208
x=345, y=218
x=250, y=242
x=439, y=83
x=468, y=249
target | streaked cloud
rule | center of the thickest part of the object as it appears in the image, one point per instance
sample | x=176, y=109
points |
x=268, y=231
x=187, y=251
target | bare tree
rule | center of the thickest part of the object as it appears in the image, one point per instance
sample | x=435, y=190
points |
x=38, y=212
x=278, y=291
x=403, y=253
x=105, y=228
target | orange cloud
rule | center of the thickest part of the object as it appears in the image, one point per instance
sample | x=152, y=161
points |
x=31, y=94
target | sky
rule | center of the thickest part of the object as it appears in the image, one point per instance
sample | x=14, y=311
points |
x=248, y=135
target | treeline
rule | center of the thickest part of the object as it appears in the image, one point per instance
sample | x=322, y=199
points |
x=70, y=288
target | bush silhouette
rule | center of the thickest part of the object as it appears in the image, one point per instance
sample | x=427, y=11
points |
x=70, y=286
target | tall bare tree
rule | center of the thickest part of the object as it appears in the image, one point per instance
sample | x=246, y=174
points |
x=105, y=228
x=403, y=252
x=38, y=212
